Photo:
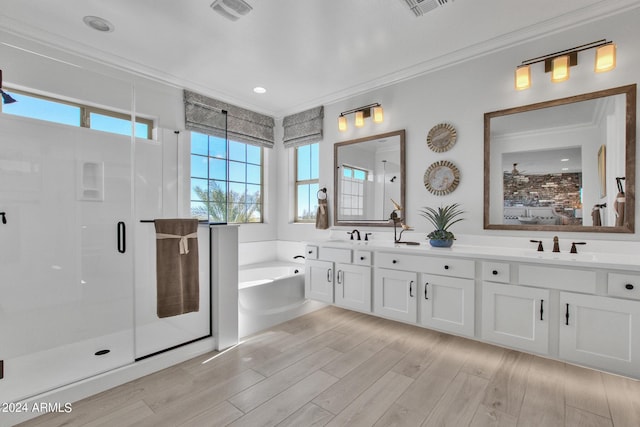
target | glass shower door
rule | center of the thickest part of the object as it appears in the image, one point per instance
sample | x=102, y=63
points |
x=66, y=268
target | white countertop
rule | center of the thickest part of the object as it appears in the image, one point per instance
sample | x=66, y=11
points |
x=620, y=261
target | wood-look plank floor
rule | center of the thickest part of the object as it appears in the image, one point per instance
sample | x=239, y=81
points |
x=336, y=367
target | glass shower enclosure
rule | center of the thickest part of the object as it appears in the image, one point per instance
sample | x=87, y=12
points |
x=66, y=261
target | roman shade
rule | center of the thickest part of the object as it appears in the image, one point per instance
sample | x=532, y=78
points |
x=207, y=115
x=303, y=128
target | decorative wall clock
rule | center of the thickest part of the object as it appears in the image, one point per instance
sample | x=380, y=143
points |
x=441, y=178
x=441, y=137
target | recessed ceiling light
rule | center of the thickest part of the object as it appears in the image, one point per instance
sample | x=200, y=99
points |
x=565, y=169
x=259, y=89
x=99, y=24
x=564, y=160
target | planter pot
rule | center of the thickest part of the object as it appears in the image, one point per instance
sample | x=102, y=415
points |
x=440, y=243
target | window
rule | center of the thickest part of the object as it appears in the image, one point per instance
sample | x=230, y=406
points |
x=69, y=113
x=226, y=180
x=352, y=186
x=307, y=164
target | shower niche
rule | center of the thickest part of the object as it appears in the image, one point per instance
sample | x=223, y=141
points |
x=90, y=180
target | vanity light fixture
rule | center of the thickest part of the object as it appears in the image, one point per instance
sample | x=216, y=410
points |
x=372, y=110
x=559, y=63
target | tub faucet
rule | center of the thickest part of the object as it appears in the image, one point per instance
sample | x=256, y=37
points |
x=556, y=245
x=299, y=256
x=356, y=232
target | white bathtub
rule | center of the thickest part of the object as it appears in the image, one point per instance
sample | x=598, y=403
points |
x=270, y=293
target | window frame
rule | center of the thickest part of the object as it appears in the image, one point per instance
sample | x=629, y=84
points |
x=227, y=181
x=297, y=182
x=85, y=112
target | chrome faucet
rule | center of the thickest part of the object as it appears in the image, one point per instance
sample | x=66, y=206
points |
x=356, y=232
x=556, y=245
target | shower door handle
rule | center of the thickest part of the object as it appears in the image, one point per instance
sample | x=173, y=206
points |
x=122, y=237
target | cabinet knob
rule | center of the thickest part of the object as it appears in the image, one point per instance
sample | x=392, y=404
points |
x=629, y=286
x=361, y=258
x=309, y=252
x=394, y=261
x=494, y=272
x=446, y=267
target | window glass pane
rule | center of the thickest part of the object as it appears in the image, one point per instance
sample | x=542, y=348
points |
x=303, y=201
x=253, y=193
x=217, y=201
x=217, y=147
x=36, y=108
x=346, y=172
x=110, y=124
x=237, y=171
x=237, y=192
x=237, y=151
x=199, y=210
x=304, y=159
x=199, y=166
x=198, y=189
x=359, y=174
x=217, y=169
x=254, y=154
x=315, y=163
x=199, y=144
x=254, y=212
x=142, y=130
x=253, y=174
x=237, y=212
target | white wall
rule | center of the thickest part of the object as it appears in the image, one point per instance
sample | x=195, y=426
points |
x=460, y=95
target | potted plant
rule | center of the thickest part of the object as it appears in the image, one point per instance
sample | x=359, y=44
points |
x=442, y=219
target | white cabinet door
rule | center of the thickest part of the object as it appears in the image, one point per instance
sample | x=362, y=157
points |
x=395, y=294
x=516, y=316
x=353, y=287
x=318, y=280
x=447, y=303
x=598, y=331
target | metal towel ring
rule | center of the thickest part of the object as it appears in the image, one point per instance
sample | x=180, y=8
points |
x=322, y=190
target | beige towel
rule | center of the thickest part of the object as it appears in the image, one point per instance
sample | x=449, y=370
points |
x=177, y=269
x=595, y=215
x=322, y=215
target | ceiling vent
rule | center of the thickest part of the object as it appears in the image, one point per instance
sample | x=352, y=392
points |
x=421, y=7
x=231, y=9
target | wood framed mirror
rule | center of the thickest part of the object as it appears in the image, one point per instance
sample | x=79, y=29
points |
x=563, y=165
x=369, y=173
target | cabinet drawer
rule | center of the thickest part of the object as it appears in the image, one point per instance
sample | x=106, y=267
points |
x=362, y=257
x=564, y=279
x=449, y=267
x=311, y=252
x=399, y=261
x=496, y=271
x=623, y=285
x=427, y=264
x=334, y=254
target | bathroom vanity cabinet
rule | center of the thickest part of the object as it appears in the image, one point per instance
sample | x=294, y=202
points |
x=342, y=277
x=581, y=310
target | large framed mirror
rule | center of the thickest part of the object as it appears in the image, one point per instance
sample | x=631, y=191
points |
x=369, y=173
x=562, y=165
